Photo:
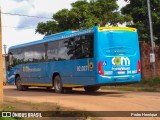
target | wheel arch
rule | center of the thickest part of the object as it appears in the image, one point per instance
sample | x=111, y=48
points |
x=53, y=76
x=17, y=75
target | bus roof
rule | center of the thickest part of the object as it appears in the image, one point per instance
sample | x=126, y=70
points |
x=68, y=34
x=54, y=37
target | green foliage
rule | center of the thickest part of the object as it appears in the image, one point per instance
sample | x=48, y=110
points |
x=138, y=11
x=147, y=85
x=155, y=82
x=10, y=118
x=9, y=108
x=82, y=15
x=47, y=28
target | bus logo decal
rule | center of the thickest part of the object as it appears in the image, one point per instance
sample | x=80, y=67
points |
x=123, y=61
x=91, y=65
x=104, y=63
x=27, y=69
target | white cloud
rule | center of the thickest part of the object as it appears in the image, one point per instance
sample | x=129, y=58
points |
x=45, y=8
x=121, y=3
x=52, y=7
x=13, y=36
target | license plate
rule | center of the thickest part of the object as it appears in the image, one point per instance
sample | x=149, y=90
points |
x=121, y=72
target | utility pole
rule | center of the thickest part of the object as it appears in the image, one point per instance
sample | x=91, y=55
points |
x=1, y=66
x=6, y=68
x=5, y=47
x=152, y=55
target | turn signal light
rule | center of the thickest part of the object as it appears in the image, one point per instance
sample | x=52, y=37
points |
x=138, y=66
x=100, y=68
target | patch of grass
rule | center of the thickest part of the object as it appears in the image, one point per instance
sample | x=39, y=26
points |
x=148, y=85
x=10, y=108
x=155, y=82
x=11, y=119
x=11, y=104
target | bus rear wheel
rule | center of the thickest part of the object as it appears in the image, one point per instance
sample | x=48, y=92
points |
x=58, y=86
x=19, y=85
x=91, y=88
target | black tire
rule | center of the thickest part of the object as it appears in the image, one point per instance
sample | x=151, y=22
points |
x=67, y=90
x=58, y=86
x=19, y=85
x=48, y=88
x=91, y=88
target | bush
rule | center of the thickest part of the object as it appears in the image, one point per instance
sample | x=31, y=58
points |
x=155, y=82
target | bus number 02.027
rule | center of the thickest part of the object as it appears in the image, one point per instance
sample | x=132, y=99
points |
x=82, y=68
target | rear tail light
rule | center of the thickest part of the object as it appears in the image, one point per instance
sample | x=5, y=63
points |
x=138, y=66
x=100, y=68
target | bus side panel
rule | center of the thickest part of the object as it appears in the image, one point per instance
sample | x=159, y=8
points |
x=84, y=71
x=64, y=68
x=34, y=73
x=73, y=72
x=12, y=74
x=11, y=77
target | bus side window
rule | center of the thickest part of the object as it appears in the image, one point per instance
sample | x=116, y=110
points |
x=45, y=49
x=91, y=45
x=87, y=46
x=71, y=48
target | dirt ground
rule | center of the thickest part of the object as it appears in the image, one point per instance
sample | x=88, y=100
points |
x=103, y=100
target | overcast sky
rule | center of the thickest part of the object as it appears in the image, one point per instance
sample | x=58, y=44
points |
x=21, y=29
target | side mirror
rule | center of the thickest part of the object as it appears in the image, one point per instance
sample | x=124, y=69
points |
x=9, y=67
x=10, y=58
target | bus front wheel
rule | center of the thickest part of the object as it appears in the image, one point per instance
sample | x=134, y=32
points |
x=91, y=88
x=58, y=84
x=19, y=85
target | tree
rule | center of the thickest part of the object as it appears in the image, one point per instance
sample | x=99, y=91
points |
x=83, y=15
x=47, y=28
x=137, y=10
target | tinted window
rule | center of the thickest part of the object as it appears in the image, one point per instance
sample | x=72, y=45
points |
x=39, y=53
x=84, y=46
x=70, y=43
x=63, y=50
x=28, y=54
x=16, y=56
x=52, y=51
x=72, y=48
x=90, y=44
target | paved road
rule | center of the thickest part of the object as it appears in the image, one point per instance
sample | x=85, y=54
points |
x=103, y=100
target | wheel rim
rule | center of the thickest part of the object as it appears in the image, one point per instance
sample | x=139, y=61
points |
x=57, y=84
x=19, y=83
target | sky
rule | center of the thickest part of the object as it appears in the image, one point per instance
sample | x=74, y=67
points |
x=20, y=29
